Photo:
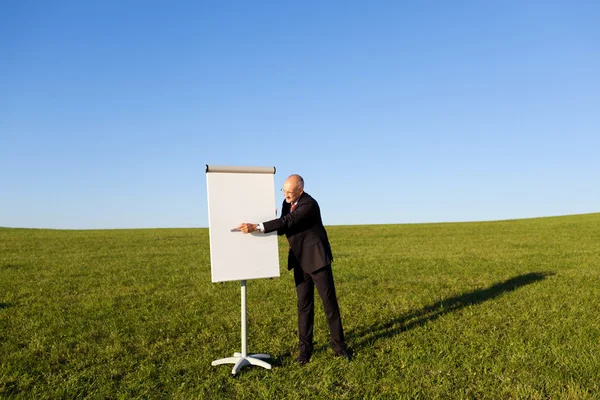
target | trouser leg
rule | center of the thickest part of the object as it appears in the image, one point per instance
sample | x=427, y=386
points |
x=323, y=280
x=306, y=310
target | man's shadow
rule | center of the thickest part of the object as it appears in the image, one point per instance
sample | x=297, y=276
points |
x=367, y=335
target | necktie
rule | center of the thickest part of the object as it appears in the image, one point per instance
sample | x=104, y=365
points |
x=293, y=206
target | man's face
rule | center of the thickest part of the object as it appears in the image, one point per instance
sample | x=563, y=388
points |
x=291, y=192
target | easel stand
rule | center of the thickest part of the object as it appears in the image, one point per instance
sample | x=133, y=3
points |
x=241, y=359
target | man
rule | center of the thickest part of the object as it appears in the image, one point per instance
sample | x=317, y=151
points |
x=310, y=256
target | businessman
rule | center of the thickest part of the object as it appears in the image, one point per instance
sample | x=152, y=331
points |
x=310, y=257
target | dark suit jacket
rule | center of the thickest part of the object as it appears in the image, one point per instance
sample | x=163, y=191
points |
x=309, y=244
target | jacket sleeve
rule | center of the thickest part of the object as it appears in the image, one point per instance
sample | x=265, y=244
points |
x=302, y=212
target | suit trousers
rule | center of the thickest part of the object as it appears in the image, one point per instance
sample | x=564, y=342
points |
x=305, y=283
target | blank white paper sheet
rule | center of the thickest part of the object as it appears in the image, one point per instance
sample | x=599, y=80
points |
x=236, y=195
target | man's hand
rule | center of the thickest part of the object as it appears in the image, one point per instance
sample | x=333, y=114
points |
x=246, y=228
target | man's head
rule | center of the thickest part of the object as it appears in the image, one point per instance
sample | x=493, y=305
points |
x=293, y=187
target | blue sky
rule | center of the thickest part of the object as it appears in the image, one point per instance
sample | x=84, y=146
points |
x=394, y=112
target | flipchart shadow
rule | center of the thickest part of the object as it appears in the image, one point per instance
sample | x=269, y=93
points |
x=10, y=266
x=367, y=335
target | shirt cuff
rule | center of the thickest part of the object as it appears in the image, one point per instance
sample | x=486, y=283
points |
x=260, y=227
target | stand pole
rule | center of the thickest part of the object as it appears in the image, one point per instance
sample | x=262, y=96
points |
x=241, y=359
x=244, y=319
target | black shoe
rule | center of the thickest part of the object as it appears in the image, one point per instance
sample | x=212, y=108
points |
x=344, y=354
x=303, y=359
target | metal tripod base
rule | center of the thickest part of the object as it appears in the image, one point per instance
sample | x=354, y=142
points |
x=239, y=361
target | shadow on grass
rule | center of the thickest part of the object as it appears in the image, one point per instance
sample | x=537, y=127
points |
x=367, y=335
x=10, y=266
x=280, y=360
x=5, y=305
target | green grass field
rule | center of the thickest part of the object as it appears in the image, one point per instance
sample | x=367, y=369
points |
x=494, y=310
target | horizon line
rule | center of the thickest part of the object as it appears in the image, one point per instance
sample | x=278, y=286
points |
x=328, y=225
